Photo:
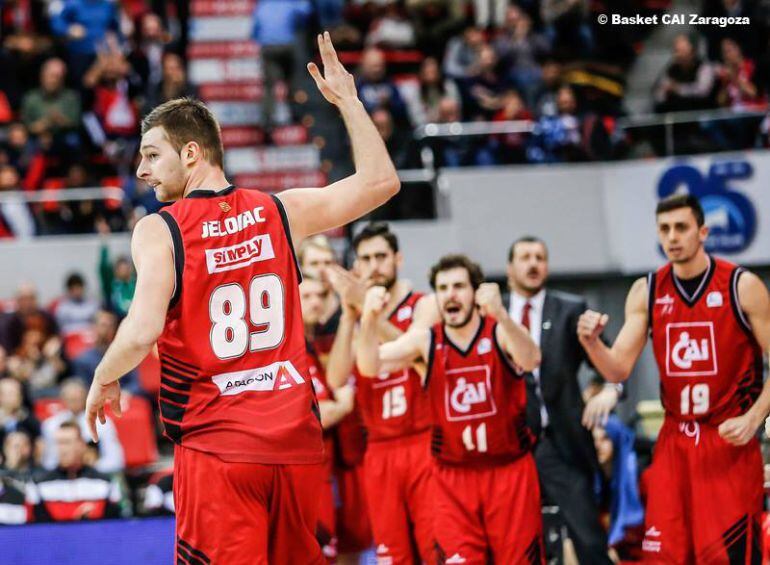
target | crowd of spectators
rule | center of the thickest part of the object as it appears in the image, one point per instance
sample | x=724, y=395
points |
x=50, y=470
x=82, y=73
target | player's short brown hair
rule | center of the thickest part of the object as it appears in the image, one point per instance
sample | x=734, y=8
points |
x=185, y=120
x=676, y=201
x=457, y=261
x=376, y=229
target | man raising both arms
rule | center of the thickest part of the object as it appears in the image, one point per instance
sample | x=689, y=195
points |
x=709, y=321
x=217, y=289
x=486, y=491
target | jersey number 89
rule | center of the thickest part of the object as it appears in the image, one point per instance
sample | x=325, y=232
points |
x=228, y=305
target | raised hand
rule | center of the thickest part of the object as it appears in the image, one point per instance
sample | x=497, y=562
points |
x=336, y=84
x=590, y=326
x=489, y=300
x=374, y=302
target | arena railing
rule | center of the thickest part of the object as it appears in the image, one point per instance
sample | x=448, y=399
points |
x=62, y=194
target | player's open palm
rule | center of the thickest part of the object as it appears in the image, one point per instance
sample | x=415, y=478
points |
x=336, y=84
x=98, y=397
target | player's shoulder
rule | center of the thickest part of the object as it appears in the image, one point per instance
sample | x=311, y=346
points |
x=151, y=228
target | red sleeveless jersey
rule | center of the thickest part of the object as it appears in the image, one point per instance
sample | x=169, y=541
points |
x=322, y=392
x=394, y=404
x=478, y=400
x=234, y=376
x=709, y=361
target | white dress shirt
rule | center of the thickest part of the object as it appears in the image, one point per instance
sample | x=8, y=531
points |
x=515, y=311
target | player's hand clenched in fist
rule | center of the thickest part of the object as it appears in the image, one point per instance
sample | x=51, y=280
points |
x=590, y=326
x=489, y=300
x=374, y=302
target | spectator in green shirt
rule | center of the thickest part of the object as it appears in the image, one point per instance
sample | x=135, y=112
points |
x=53, y=110
x=118, y=280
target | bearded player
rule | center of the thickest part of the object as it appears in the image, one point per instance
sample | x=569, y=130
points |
x=395, y=408
x=709, y=321
x=486, y=490
x=217, y=290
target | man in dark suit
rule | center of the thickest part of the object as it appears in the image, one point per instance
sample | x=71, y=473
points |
x=565, y=454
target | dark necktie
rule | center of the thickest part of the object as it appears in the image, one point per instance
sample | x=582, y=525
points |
x=525, y=314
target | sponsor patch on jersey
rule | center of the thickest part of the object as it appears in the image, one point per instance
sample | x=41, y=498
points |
x=666, y=303
x=259, y=248
x=468, y=394
x=714, y=299
x=276, y=376
x=484, y=346
x=404, y=313
x=690, y=349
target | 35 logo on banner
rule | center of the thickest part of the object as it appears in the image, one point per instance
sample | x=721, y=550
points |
x=730, y=215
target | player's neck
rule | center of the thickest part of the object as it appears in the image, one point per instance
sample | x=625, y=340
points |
x=206, y=178
x=694, y=267
x=463, y=336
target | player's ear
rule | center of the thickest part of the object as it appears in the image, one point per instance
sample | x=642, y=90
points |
x=703, y=233
x=399, y=259
x=191, y=153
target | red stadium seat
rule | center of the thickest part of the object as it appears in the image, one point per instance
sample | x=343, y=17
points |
x=136, y=432
x=77, y=342
x=53, y=185
x=112, y=182
x=44, y=408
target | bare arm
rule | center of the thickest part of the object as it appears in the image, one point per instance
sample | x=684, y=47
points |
x=340, y=363
x=372, y=358
x=615, y=363
x=155, y=277
x=755, y=303
x=136, y=336
x=332, y=411
x=513, y=338
x=314, y=210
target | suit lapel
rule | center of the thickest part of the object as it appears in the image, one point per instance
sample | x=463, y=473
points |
x=546, y=331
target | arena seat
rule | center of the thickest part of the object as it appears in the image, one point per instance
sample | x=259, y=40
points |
x=44, y=408
x=136, y=432
x=77, y=342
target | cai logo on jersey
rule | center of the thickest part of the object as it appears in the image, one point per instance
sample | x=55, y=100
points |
x=730, y=215
x=276, y=376
x=690, y=349
x=468, y=394
x=259, y=248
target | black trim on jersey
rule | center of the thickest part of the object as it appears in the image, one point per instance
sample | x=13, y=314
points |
x=173, y=431
x=171, y=411
x=692, y=300
x=176, y=239
x=175, y=375
x=171, y=396
x=287, y=231
x=651, y=282
x=740, y=316
x=470, y=345
x=182, y=365
x=399, y=305
x=198, y=553
x=506, y=359
x=201, y=193
x=178, y=387
x=431, y=357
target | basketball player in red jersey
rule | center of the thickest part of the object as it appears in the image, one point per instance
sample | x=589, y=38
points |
x=486, y=491
x=395, y=409
x=333, y=406
x=217, y=290
x=709, y=321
